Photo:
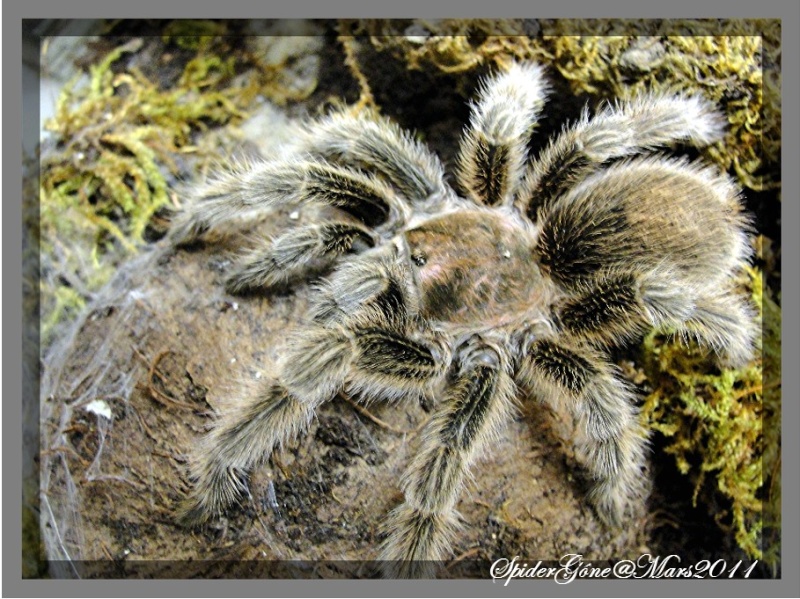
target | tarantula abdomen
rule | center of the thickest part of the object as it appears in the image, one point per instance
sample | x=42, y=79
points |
x=529, y=280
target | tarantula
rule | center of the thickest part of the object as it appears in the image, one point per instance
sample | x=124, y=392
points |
x=530, y=277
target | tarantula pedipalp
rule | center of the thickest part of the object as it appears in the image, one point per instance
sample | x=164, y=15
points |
x=530, y=279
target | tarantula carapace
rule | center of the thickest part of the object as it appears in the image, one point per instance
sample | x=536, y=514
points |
x=528, y=278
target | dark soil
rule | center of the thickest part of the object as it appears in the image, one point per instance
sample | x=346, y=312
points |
x=163, y=349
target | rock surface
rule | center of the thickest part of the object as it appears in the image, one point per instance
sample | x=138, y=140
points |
x=134, y=386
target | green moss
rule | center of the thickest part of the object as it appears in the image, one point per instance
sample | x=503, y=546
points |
x=123, y=138
x=446, y=45
x=117, y=136
x=734, y=63
x=192, y=34
x=724, y=424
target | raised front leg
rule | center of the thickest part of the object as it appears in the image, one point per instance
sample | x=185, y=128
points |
x=494, y=148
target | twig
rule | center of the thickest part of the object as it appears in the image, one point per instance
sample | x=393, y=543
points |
x=61, y=449
x=483, y=504
x=366, y=413
x=365, y=99
x=756, y=389
x=160, y=397
x=462, y=557
x=146, y=428
x=277, y=461
x=105, y=549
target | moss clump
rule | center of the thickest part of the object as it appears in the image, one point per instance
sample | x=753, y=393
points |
x=734, y=63
x=117, y=138
x=450, y=45
x=724, y=424
x=118, y=135
x=125, y=130
x=192, y=34
x=441, y=46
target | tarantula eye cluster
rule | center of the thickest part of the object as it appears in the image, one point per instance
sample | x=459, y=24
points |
x=529, y=277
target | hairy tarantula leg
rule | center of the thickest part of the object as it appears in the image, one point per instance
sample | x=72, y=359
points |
x=494, y=146
x=378, y=145
x=606, y=314
x=315, y=365
x=372, y=300
x=688, y=224
x=727, y=325
x=295, y=254
x=381, y=361
x=238, y=441
x=617, y=131
x=267, y=186
x=380, y=281
x=621, y=308
x=613, y=441
x=393, y=366
x=474, y=408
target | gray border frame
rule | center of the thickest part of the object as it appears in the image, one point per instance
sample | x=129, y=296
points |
x=16, y=10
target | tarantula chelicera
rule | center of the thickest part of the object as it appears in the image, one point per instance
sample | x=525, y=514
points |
x=529, y=277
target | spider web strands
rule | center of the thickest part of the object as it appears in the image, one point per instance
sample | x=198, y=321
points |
x=643, y=123
x=265, y=186
x=494, y=147
x=373, y=141
x=473, y=411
